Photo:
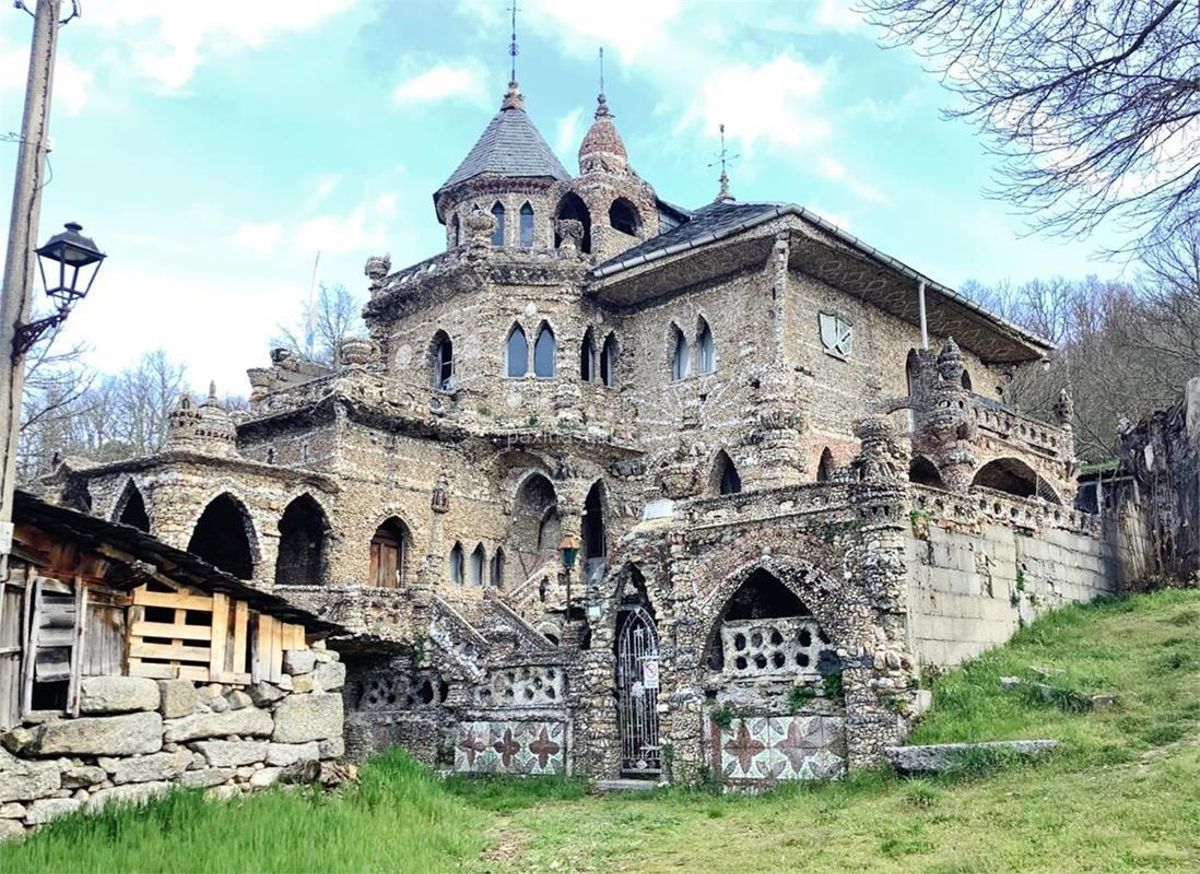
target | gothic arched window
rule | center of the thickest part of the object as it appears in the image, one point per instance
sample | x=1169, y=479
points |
x=825, y=467
x=455, y=231
x=475, y=569
x=608, y=362
x=725, y=475
x=527, y=226
x=517, y=352
x=443, y=361
x=587, y=358
x=681, y=359
x=623, y=217
x=498, y=568
x=708, y=351
x=543, y=353
x=498, y=215
x=456, y=564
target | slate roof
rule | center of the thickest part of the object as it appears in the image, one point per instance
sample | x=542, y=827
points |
x=510, y=146
x=713, y=218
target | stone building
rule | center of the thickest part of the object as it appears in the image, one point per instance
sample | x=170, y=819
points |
x=785, y=456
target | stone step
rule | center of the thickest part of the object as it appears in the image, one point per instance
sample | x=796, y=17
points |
x=625, y=784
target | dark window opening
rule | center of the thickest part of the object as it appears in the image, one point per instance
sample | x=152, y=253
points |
x=475, y=569
x=221, y=537
x=456, y=231
x=572, y=207
x=825, y=467
x=587, y=358
x=134, y=512
x=726, y=477
x=456, y=564
x=497, y=570
x=623, y=217
x=966, y=380
x=681, y=363
x=608, y=362
x=708, y=351
x=1008, y=475
x=303, y=529
x=443, y=362
x=593, y=523
x=923, y=472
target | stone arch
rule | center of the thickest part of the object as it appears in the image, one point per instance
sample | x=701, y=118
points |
x=440, y=361
x=536, y=526
x=303, y=543
x=825, y=466
x=724, y=478
x=456, y=569
x=224, y=536
x=572, y=207
x=923, y=472
x=391, y=545
x=679, y=352
x=455, y=231
x=545, y=352
x=477, y=566
x=623, y=216
x=130, y=508
x=587, y=356
x=516, y=351
x=1015, y=477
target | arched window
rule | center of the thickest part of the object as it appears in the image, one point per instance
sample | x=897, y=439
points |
x=681, y=359
x=1015, y=477
x=593, y=523
x=725, y=477
x=443, y=361
x=608, y=362
x=587, y=358
x=133, y=508
x=923, y=472
x=543, y=353
x=498, y=215
x=475, y=569
x=526, y=226
x=966, y=380
x=534, y=531
x=623, y=217
x=455, y=231
x=825, y=467
x=303, y=531
x=517, y=352
x=572, y=207
x=389, y=555
x=222, y=537
x=497, y=574
x=456, y=564
x=708, y=352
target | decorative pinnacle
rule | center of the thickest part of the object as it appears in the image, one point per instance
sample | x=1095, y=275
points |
x=602, y=110
x=723, y=158
x=212, y=390
x=513, y=98
x=512, y=47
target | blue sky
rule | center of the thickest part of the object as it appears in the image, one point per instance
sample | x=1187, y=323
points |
x=213, y=148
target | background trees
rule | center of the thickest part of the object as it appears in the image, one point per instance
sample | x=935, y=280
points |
x=323, y=324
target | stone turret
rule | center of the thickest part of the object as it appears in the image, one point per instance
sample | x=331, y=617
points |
x=945, y=417
x=207, y=429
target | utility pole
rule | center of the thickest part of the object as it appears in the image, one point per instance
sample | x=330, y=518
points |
x=19, y=261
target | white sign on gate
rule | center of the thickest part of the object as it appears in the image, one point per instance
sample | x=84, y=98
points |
x=650, y=673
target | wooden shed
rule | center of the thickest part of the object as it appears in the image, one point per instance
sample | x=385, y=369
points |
x=85, y=597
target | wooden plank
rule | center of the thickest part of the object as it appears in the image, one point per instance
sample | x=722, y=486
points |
x=240, y=677
x=174, y=652
x=169, y=599
x=219, y=633
x=260, y=647
x=55, y=637
x=241, y=622
x=81, y=602
x=105, y=636
x=196, y=673
x=30, y=645
x=171, y=630
x=277, y=653
x=138, y=668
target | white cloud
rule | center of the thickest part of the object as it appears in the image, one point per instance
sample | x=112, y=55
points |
x=167, y=41
x=837, y=15
x=362, y=230
x=326, y=185
x=442, y=82
x=72, y=84
x=568, y=131
x=262, y=238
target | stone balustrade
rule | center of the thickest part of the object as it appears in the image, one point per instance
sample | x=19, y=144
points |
x=1021, y=431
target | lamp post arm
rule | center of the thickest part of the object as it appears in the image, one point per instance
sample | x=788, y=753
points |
x=19, y=261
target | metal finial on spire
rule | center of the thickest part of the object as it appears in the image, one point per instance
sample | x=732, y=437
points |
x=601, y=71
x=212, y=389
x=723, y=158
x=512, y=46
x=602, y=101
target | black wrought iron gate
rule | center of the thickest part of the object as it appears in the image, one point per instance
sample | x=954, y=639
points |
x=637, y=693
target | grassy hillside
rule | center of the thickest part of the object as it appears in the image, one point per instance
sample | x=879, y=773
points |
x=1120, y=796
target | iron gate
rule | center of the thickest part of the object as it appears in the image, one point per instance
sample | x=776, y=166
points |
x=637, y=693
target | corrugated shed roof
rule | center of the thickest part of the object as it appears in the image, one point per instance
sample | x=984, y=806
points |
x=510, y=146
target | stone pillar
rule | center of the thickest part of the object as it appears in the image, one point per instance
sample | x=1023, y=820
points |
x=945, y=418
x=779, y=420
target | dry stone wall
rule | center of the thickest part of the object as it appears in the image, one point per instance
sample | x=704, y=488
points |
x=138, y=738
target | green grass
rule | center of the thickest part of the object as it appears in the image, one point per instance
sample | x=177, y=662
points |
x=1120, y=797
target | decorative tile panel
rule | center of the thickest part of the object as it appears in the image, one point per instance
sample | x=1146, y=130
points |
x=771, y=748
x=510, y=747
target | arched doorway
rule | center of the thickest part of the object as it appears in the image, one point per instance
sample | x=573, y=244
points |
x=133, y=508
x=535, y=529
x=636, y=650
x=222, y=537
x=389, y=554
x=303, y=529
x=594, y=548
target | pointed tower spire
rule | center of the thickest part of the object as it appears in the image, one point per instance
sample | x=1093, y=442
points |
x=602, y=148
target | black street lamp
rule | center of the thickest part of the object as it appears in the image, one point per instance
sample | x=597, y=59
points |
x=69, y=262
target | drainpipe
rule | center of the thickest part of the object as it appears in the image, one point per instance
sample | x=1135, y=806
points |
x=924, y=323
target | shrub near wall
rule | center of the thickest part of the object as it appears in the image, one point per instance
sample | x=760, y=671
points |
x=135, y=738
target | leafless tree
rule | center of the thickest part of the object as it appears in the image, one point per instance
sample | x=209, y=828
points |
x=318, y=333
x=1093, y=105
